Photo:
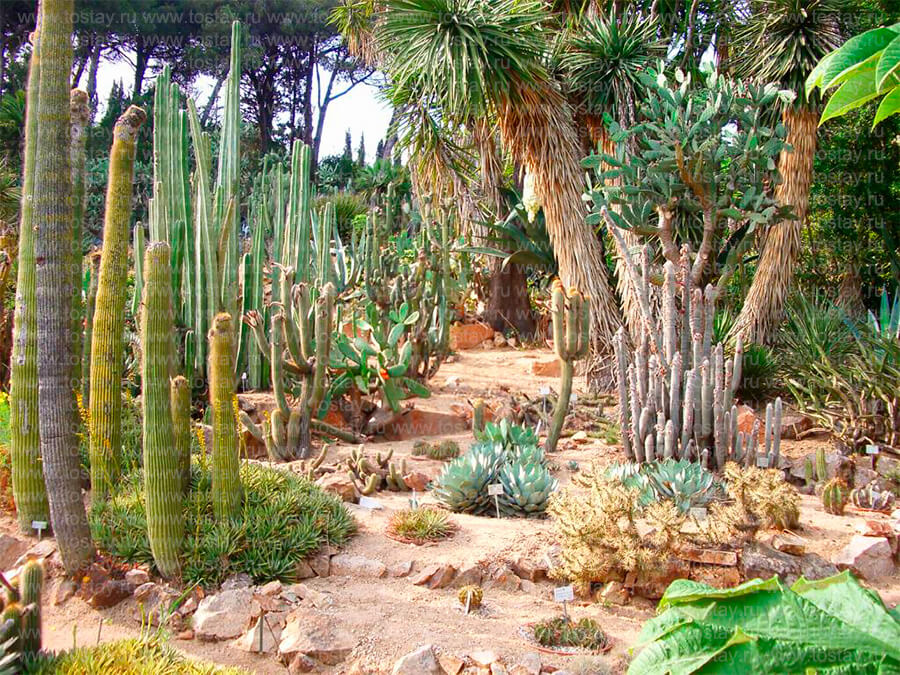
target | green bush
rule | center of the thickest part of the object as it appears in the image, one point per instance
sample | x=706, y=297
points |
x=285, y=518
x=126, y=657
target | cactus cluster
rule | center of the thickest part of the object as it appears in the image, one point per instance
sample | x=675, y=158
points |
x=676, y=389
x=441, y=451
x=20, y=618
x=834, y=496
x=571, y=338
x=382, y=474
x=527, y=483
x=872, y=499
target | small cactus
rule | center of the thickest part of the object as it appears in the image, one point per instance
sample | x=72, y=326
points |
x=180, y=395
x=834, y=496
x=470, y=596
x=31, y=582
x=871, y=499
x=226, y=478
x=571, y=338
x=478, y=415
x=821, y=465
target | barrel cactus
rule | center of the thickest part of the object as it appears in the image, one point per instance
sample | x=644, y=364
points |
x=834, y=496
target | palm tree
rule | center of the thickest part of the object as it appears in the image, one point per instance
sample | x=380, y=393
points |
x=781, y=41
x=604, y=59
x=474, y=58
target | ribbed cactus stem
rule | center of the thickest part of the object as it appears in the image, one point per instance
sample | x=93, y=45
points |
x=80, y=118
x=93, y=273
x=31, y=583
x=323, y=329
x=478, y=415
x=109, y=312
x=821, y=465
x=570, y=315
x=162, y=464
x=180, y=398
x=226, y=479
x=25, y=442
x=138, y=248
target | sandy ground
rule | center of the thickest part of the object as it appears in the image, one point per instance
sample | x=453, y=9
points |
x=391, y=617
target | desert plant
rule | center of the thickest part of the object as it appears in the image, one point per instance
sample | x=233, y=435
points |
x=470, y=596
x=226, y=479
x=163, y=465
x=442, y=450
x=31, y=583
x=561, y=631
x=506, y=435
x=180, y=400
x=527, y=486
x=763, y=497
x=872, y=499
x=383, y=474
x=462, y=485
x=420, y=525
x=834, y=496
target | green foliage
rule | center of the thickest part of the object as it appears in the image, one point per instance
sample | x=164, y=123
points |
x=758, y=373
x=443, y=450
x=863, y=68
x=507, y=436
x=462, y=485
x=561, y=631
x=283, y=520
x=686, y=484
x=126, y=657
x=527, y=486
x=887, y=324
x=420, y=524
x=347, y=207
x=828, y=625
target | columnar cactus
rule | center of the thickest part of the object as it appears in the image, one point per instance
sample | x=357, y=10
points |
x=31, y=582
x=571, y=338
x=834, y=496
x=676, y=389
x=93, y=274
x=162, y=469
x=25, y=442
x=180, y=394
x=226, y=479
x=80, y=115
x=109, y=312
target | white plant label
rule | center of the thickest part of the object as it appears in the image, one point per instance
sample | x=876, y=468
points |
x=544, y=391
x=495, y=489
x=369, y=503
x=573, y=399
x=40, y=526
x=564, y=594
x=699, y=512
x=872, y=449
x=762, y=462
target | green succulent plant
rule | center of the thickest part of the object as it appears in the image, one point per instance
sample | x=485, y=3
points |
x=685, y=483
x=462, y=486
x=526, y=489
x=508, y=435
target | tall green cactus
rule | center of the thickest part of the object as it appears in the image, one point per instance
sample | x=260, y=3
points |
x=162, y=464
x=109, y=312
x=226, y=479
x=93, y=276
x=31, y=583
x=25, y=442
x=571, y=339
x=138, y=248
x=181, y=427
x=80, y=113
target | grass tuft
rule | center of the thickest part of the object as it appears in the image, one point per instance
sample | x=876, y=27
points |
x=420, y=525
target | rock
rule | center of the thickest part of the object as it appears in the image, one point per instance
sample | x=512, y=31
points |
x=301, y=663
x=529, y=587
x=869, y=557
x=527, y=664
x=310, y=596
x=317, y=636
x=760, y=560
x=401, y=569
x=887, y=466
x=794, y=424
x=715, y=576
x=320, y=563
x=813, y=566
x=467, y=336
x=417, y=480
x=530, y=569
x=863, y=475
x=452, y=381
x=143, y=591
x=470, y=575
x=505, y=579
x=546, y=368
x=137, y=577
x=187, y=634
x=836, y=464
x=189, y=606
x=615, y=593
x=436, y=576
x=340, y=485
x=876, y=528
x=499, y=340
x=788, y=543
x=111, y=592
x=498, y=669
x=708, y=556
x=224, y=615
x=346, y=565
x=484, y=657
x=261, y=638
x=747, y=418
x=422, y=661
x=303, y=571
x=651, y=582
x=11, y=549
x=155, y=605
x=451, y=663
x=45, y=548
x=235, y=581
x=65, y=590
x=271, y=588
x=512, y=341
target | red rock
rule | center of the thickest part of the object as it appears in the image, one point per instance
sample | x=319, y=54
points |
x=468, y=336
x=715, y=576
x=878, y=528
x=651, y=582
x=111, y=593
x=747, y=418
x=435, y=576
x=417, y=480
x=708, y=556
x=546, y=368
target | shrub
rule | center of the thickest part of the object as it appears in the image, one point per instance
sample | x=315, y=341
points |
x=126, y=657
x=285, y=518
x=560, y=631
x=420, y=525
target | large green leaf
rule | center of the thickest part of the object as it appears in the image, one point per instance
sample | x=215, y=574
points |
x=682, y=591
x=853, y=54
x=888, y=63
x=854, y=92
x=890, y=105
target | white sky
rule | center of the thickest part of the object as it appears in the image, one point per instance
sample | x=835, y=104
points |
x=360, y=110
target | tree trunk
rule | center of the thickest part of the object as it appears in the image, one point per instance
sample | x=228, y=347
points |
x=211, y=103
x=53, y=255
x=540, y=132
x=140, y=67
x=92, y=78
x=763, y=307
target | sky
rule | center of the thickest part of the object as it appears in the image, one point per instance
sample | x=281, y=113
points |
x=360, y=110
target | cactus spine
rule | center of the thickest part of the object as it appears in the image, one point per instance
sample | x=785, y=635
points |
x=180, y=395
x=571, y=326
x=31, y=582
x=25, y=442
x=162, y=468
x=834, y=496
x=80, y=114
x=677, y=389
x=226, y=479
x=109, y=312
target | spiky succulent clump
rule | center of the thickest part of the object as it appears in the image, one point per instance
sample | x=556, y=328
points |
x=834, y=496
x=462, y=485
x=560, y=631
x=526, y=489
x=871, y=499
x=506, y=435
x=441, y=451
x=420, y=525
x=684, y=483
x=470, y=595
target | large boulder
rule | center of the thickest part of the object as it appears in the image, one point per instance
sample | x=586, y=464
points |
x=223, y=616
x=317, y=636
x=346, y=565
x=869, y=557
x=763, y=561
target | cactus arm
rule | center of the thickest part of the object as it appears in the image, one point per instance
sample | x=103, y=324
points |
x=277, y=363
x=226, y=480
x=80, y=119
x=180, y=394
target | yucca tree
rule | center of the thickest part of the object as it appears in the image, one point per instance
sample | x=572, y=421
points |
x=474, y=58
x=781, y=41
x=604, y=58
